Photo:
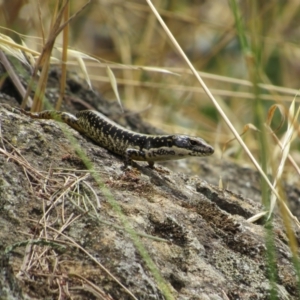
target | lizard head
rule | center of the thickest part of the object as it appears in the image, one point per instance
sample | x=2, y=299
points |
x=191, y=146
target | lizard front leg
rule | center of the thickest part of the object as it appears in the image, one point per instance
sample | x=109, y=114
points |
x=135, y=154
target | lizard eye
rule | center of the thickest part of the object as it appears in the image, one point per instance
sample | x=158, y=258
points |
x=193, y=143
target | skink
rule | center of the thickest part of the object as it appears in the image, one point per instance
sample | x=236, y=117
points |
x=129, y=144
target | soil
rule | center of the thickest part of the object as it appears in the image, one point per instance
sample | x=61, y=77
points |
x=71, y=232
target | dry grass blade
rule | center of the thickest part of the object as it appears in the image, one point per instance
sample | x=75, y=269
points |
x=157, y=69
x=18, y=51
x=21, y=52
x=288, y=137
x=192, y=89
x=9, y=46
x=220, y=79
x=92, y=288
x=225, y=295
x=271, y=112
x=180, y=71
x=290, y=158
x=114, y=85
x=64, y=58
x=13, y=76
x=246, y=128
x=85, y=71
x=284, y=148
x=33, y=242
x=257, y=217
x=216, y=104
x=58, y=195
x=80, y=57
x=29, y=56
x=105, y=63
x=98, y=206
x=45, y=56
x=36, y=175
x=44, y=60
x=285, y=212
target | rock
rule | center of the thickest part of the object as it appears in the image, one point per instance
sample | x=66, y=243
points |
x=154, y=234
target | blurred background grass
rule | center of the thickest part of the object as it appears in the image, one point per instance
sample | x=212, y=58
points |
x=127, y=33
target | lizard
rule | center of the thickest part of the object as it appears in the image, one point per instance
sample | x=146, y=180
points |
x=127, y=143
